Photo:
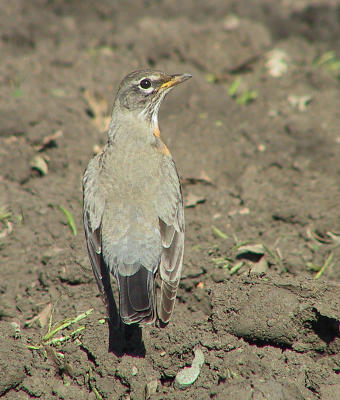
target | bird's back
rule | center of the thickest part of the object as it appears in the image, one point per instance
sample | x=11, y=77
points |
x=131, y=241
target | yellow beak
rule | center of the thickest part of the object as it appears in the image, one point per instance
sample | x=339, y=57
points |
x=175, y=80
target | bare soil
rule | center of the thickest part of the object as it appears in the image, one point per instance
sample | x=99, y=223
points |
x=260, y=180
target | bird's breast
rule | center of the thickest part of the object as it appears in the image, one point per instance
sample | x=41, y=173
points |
x=131, y=173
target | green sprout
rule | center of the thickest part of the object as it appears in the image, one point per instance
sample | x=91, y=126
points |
x=93, y=387
x=245, y=97
x=100, y=50
x=219, y=233
x=233, y=88
x=321, y=269
x=329, y=61
x=50, y=339
x=70, y=219
x=16, y=84
x=211, y=78
x=235, y=268
x=226, y=264
x=277, y=257
x=222, y=262
x=238, y=244
x=5, y=214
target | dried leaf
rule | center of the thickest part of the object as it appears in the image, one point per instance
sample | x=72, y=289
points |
x=7, y=230
x=260, y=266
x=323, y=238
x=98, y=108
x=49, y=141
x=151, y=388
x=251, y=248
x=187, y=376
x=39, y=164
x=192, y=200
x=299, y=102
x=43, y=317
x=203, y=178
x=11, y=139
x=241, y=211
x=231, y=22
x=97, y=149
x=277, y=62
x=334, y=236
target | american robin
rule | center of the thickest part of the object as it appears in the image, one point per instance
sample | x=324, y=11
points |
x=133, y=208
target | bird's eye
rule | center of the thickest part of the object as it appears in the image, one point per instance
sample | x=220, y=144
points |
x=145, y=83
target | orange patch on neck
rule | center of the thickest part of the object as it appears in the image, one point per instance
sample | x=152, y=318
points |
x=162, y=147
x=165, y=150
x=157, y=132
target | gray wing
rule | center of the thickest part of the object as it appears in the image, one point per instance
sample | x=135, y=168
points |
x=136, y=283
x=171, y=219
x=93, y=209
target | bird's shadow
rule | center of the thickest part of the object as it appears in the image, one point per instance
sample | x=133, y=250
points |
x=127, y=339
x=123, y=339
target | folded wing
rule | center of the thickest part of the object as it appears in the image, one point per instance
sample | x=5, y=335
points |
x=171, y=220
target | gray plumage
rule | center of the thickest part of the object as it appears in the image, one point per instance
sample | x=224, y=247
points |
x=132, y=203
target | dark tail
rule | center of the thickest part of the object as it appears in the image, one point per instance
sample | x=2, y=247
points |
x=137, y=297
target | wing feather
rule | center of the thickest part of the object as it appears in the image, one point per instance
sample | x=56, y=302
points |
x=172, y=234
x=93, y=209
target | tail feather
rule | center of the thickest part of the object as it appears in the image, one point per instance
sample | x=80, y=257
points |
x=136, y=297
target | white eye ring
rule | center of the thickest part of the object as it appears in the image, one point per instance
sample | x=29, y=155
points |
x=145, y=83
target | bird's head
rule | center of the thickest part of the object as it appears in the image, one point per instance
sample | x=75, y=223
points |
x=143, y=91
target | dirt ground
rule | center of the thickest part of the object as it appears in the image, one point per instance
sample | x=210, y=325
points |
x=255, y=135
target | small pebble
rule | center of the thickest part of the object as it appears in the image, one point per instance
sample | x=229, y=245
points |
x=231, y=22
x=151, y=388
x=16, y=326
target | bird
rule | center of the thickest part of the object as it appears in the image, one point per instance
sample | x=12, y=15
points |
x=133, y=210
